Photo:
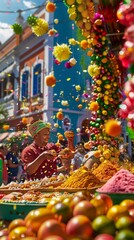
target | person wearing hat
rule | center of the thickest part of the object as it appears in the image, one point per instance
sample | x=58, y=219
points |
x=40, y=158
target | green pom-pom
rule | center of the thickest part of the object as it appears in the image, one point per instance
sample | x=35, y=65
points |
x=17, y=28
x=32, y=20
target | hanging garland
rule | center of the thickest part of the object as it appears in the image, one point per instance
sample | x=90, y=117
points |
x=106, y=83
x=125, y=15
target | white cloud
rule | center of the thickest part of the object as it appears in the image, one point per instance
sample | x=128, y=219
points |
x=29, y=4
x=5, y=32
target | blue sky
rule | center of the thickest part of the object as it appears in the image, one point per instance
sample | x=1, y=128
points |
x=7, y=18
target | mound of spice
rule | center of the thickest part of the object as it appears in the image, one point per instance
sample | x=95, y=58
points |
x=81, y=178
x=121, y=182
x=105, y=171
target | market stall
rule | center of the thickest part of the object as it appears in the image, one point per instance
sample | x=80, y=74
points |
x=96, y=203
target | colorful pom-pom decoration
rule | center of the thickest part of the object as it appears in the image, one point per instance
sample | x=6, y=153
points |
x=50, y=80
x=68, y=65
x=84, y=44
x=59, y=115
x=52, y=32
x=97, y=153
x=40, y=28
x=72, y=61
x=93, y=70
x=62, y=52
x=17, y=28
x=94, y=106
x=24, y=121
x=32, y=20
x=50, y=7
x=113, y=128
x=6, y=127
x=60, y=137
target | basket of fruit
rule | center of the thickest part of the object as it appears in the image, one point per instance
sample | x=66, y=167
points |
x=13, y=210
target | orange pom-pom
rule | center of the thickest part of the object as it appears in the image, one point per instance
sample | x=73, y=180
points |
x=94, y=106
x=59, y=115
x=97, y=154
x=50, y=81
x=51, y=32
x=84, y=44
x=60, y=137
x=5, y=127
x=24, y=121
x=50, y=7
x=113, y=128
x=87, y=145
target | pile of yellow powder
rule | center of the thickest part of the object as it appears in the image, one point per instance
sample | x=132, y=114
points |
x=81, y=178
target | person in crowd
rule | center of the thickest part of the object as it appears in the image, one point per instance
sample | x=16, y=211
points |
x=39, y=158
x=13, y=162
x=3, y=166
x=80, y=152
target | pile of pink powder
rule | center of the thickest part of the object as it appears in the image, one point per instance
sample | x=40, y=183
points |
x=121, y=182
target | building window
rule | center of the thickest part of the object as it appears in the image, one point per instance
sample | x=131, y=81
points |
x=25, y=77
x=37, y=79
x=7, y=85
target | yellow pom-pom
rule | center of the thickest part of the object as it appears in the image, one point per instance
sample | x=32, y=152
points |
x=60, y=137
x=50, y=81
x=94, y=106
x=62, y=52
x=107, y=154
x=78, y=87
x=40, y=28
x=93, y=70
x=113, y=128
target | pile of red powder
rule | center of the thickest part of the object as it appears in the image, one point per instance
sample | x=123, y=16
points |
x=121, y=182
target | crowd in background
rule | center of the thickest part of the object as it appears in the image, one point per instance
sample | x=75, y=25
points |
x=43, y=159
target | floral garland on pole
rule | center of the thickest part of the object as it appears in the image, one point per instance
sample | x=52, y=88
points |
x=104, y=70
x=125, y=15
